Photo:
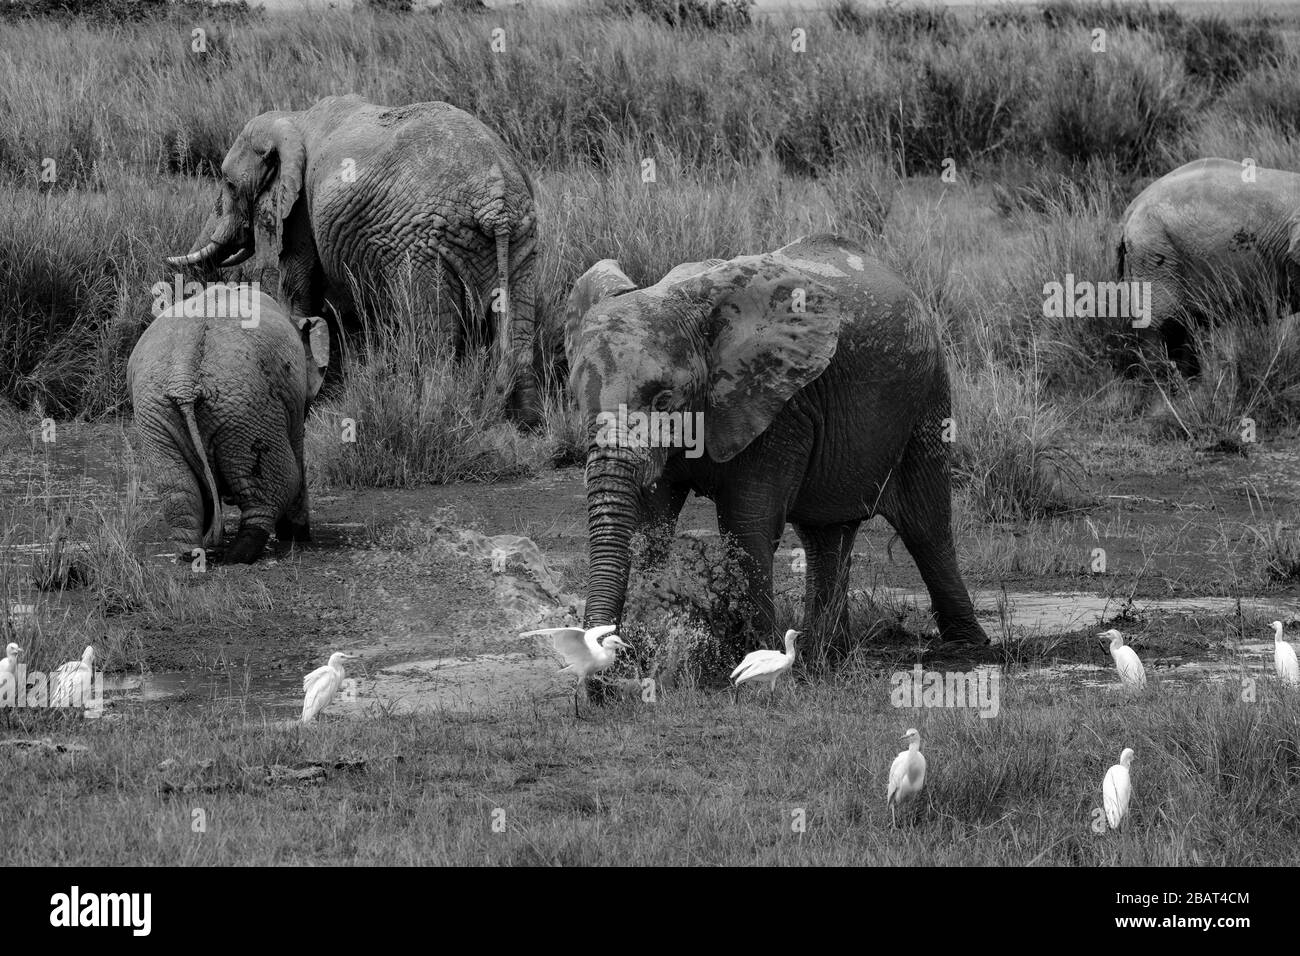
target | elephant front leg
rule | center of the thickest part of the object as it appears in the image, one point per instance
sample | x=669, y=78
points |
x=829, y=550
x=755, y=525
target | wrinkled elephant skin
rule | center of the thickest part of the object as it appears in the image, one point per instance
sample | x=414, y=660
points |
x=823, y=393
x=1213, y=236
x=419, y=204
x=220, y=409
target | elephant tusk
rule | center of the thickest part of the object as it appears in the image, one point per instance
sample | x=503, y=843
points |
x=239, y=256
x=195, y=257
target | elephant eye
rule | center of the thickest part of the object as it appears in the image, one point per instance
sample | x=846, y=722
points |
x=663, y=401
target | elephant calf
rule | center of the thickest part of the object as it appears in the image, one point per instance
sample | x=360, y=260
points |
x=221, y=394
x=803, y=386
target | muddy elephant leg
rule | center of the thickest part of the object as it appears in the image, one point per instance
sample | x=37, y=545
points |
x=829, y=551
x=753, y=517
x=918, y=503
x=295, y=523
x=264, y=494
x=184, y=506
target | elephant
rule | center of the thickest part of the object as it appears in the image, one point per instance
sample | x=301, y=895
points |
x=221, y=395
x=352, y=192
x=1213, y=235
x=817, y=392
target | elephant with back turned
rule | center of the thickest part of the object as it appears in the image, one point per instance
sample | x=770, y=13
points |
x=220, y=400
x=823, y=390
x=349, y=191
x=1211, y=236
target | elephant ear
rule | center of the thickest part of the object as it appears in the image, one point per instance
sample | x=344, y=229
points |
x=606, y=278
x=771, y=330
x=316, y=342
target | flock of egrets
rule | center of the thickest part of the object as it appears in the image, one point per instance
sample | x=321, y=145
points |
x=590, y=651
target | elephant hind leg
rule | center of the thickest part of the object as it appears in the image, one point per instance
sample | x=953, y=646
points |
x=918, y=503
x=266, y=488
x=829, y=551
x=185, y=507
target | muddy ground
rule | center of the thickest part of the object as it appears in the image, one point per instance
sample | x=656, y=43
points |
x=406, y=579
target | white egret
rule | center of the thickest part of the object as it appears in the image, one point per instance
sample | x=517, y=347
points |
x=9, y=663
x=1116, y=790
x=1284, y=659
x=585, y=652
x=766, y=665
x=8, y=667
x=71, y=683
x=1131, y=673
x=320, y=686
x=906, y=774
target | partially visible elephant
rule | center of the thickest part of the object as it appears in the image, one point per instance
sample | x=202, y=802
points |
x=423, y=194
x=1211, y=236
x=823, y=391
x=221, y=395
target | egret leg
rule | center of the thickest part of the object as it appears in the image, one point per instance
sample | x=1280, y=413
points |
x=893, y=816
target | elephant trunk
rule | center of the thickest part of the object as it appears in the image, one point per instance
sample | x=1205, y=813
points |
x=613, y=506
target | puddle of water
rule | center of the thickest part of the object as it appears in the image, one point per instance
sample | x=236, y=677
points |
x=1038, y=612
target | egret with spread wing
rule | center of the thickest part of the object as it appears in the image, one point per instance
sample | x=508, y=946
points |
x=585, y=652
x=766, y=665
x=906, y=774
x=70, y=684
x=1284, y=659
x=322, y=684
x=1131, y=673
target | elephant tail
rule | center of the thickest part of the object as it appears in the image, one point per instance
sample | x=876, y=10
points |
x=505, y=330
x=212, y=533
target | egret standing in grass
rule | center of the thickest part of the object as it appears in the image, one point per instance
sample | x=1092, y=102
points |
x=906, y=774
x=1284, y=660
x=585, y=652
x=71, y=683
x=9, y=663
x=322, y=684
x=1131, y=673
x=766, y=665
x=1116, y=790
x=9, y=668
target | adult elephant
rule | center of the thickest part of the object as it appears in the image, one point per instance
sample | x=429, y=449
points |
x=421, y=196
x=823, y=393
x=1213, y=236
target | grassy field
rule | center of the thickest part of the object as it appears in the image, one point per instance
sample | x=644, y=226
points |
x=689, y=780
x=1071, y=439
